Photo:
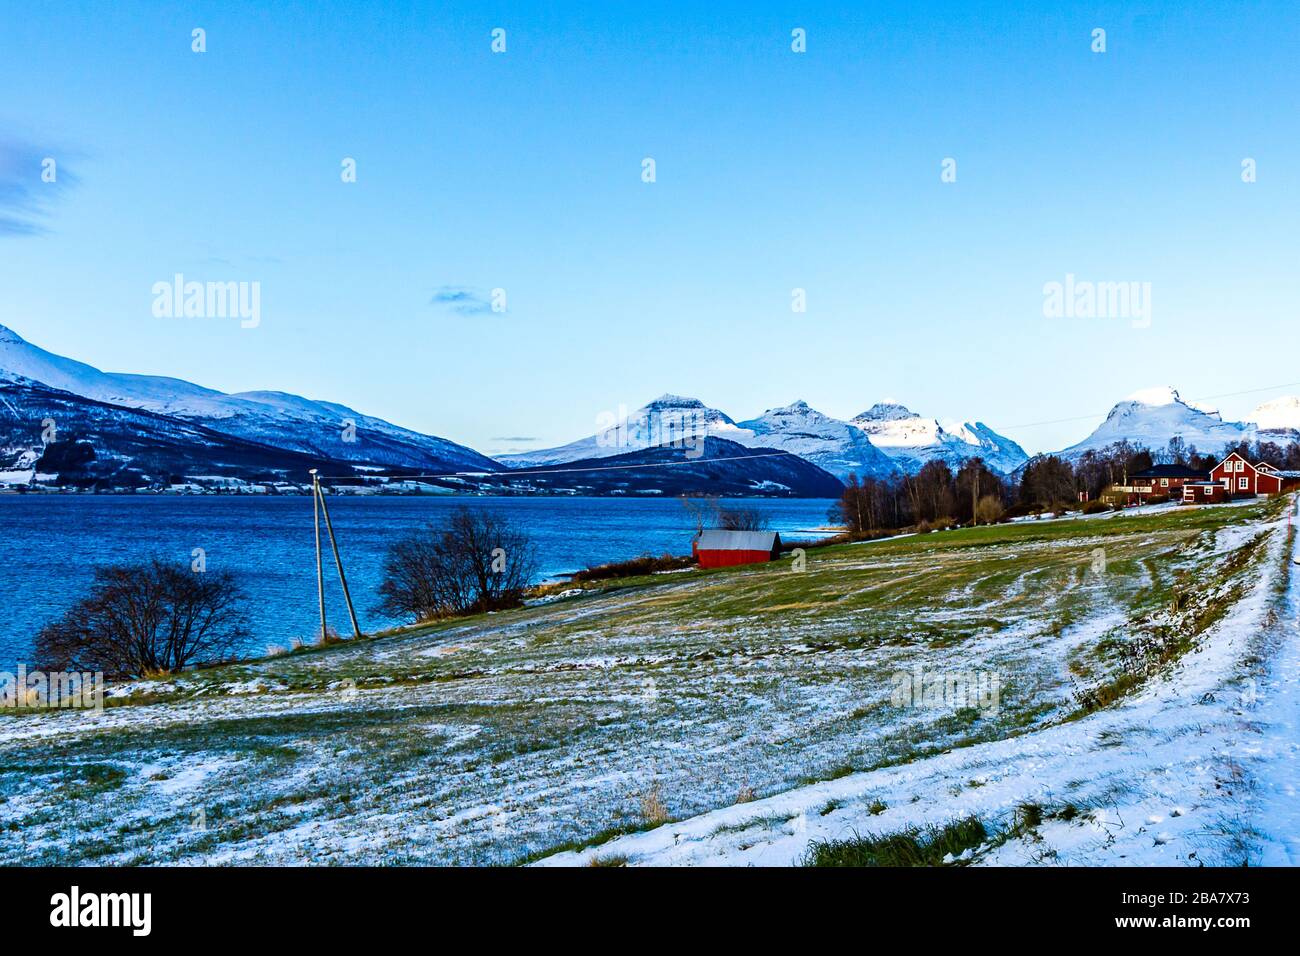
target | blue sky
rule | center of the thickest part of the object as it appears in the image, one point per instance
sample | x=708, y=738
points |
x=775, y=170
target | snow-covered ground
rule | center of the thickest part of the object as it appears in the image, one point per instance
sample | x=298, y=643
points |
x=1201, y=767
x=512, y=736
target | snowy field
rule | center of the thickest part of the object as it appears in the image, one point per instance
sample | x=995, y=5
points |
x=1146, y=700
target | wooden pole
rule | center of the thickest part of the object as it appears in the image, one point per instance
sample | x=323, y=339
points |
x=320, y=572
x=329, y=526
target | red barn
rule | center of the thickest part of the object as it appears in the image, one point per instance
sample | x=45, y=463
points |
x=719, y=549
x=1242, y=478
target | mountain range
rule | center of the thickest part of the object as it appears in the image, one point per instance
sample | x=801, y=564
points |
x=130, y=431
x=886, y=440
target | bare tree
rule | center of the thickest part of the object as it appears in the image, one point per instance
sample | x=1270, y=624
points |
x=702, y=509
x=479, y=562
x=147, y=618
x=741, y=518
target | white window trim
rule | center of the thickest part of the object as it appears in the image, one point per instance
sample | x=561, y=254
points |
x=1243, y=483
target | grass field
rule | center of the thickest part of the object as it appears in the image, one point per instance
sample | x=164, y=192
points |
x=506, y=737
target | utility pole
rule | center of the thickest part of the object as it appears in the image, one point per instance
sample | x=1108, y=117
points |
x=320, y=573
x=329, y=526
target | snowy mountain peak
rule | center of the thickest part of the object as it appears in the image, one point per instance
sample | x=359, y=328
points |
x=1161, y=395
x=1278, y=414
x=886, y=411
x=1156, y=396
x=827, y=442
x=669, y=400
x=911, y=440
x=667, y=420
x=1153, y=416
x=9, y=337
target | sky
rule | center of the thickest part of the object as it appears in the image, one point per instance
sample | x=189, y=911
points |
x=774, y=170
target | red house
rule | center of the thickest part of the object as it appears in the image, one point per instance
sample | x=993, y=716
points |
x=716, y=548
x=1160, y=481
x=1204, y=493
x=1241, y=478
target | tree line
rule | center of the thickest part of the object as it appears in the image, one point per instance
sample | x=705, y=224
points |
x=936, y=497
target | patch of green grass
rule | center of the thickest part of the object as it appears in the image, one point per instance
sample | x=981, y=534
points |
x=915, y=846
x=91, y=780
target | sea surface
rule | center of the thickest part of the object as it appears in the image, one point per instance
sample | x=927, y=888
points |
x=51, y=544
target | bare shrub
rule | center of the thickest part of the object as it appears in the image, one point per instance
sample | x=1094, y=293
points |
x=653, y=810
x=989, y=510
x=709, y=512
x=479, y=562
x=147, y=619
x=737, y=518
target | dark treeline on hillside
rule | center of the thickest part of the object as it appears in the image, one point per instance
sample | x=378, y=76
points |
x=936, y=497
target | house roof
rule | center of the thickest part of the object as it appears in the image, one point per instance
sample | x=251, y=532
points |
x=715, y=539
x=1170, y=471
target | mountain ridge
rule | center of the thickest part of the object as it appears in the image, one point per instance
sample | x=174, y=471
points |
x=1153, y=416
x=280, y=419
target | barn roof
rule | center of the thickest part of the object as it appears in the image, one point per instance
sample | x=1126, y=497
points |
x=715, y=539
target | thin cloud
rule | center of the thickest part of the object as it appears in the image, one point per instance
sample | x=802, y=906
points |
x=461, y=300
x=25, y=198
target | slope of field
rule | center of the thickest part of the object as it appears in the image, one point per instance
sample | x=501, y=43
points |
x=738, y=705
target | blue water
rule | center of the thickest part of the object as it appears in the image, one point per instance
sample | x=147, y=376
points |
x=51, y=544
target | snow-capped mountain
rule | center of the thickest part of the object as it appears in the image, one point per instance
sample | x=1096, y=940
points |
x=832, y=445
x=829, y=443
x=277, y=419
x=911, y=440
x=97, y=444
x=668, y=420
x=883, y=441
x=1152, y=416
x=1280, y=417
